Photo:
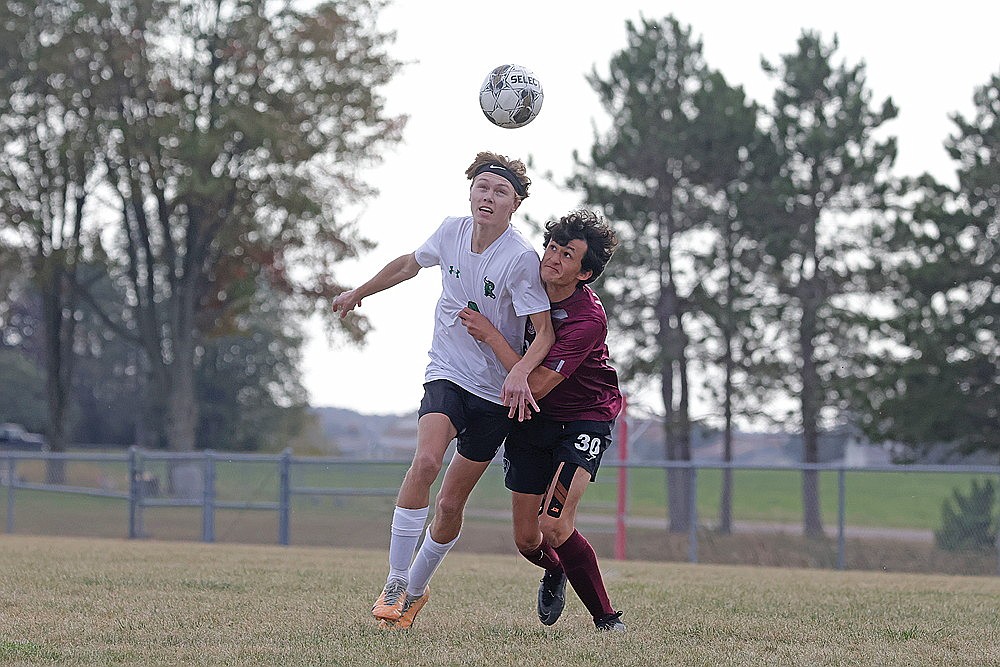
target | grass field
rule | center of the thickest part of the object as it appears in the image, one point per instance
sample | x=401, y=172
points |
x=70, y=601
x=907, y=499
x=884, y=502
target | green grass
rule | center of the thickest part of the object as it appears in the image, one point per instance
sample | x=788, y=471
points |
x=73, y=602
x=907, y=499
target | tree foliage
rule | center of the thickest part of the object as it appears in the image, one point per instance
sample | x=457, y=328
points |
x=22, y=389
x=48, y=169
x=939, y=380
x=660, y=171
x=829, y=194
x=227, y=137
x=22, y=392
x=232, y=151
x=249, y=386
x=730, y=285
x=969, y=522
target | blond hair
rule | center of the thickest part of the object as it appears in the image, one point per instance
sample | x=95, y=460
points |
x=515, y=166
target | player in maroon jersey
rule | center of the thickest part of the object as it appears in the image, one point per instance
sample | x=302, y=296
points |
x=551, y=458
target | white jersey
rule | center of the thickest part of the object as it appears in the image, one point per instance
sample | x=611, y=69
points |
x=504, y=283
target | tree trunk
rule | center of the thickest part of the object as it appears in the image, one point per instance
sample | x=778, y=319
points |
x=683, y=421
x=671, y=348
x=676, y=479
x=55, y=395
x=182, y=410
x=186, y=478
x=684, y=404
x=812, y=519
x=60, y=329
x=726, y=499
x=676, y=433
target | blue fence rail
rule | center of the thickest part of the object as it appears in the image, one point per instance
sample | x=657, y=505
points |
x=142, y=492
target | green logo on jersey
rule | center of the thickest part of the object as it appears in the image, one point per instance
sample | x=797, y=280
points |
x=453, y=271
x=488, y=288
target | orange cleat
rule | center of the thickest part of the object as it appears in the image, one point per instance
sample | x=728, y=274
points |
x=411, y=607
x=389, y=605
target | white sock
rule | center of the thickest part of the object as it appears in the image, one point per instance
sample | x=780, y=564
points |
x=407, y=524
x=426, y=563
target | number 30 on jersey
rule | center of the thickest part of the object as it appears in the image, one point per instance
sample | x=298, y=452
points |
x=589, y=444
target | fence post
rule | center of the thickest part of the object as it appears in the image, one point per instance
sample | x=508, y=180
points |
x=693, y=514
x=841, y=506
x=11, y=484
x=134, y=491
x=284, y=496
x=208, y=499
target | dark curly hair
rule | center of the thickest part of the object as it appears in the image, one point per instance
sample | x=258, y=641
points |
x=590, y=227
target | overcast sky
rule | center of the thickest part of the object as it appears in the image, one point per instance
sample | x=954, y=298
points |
x=929, y=60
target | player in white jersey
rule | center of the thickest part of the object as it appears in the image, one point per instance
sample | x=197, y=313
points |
x=486, y=265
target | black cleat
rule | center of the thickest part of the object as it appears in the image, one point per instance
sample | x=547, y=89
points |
x=551, y=596
x=610, y=623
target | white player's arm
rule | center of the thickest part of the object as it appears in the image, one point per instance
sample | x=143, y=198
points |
x=516, y=392
x=402, y=268
x=541, y=380
x=545, y=337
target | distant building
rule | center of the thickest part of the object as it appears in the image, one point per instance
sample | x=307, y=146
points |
x=394, y=437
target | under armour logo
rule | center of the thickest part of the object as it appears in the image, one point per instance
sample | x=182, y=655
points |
x=453, y=271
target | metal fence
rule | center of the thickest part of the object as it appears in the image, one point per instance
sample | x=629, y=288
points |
x=883, y=517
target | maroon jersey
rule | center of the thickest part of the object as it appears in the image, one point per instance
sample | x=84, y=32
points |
x=580, y=354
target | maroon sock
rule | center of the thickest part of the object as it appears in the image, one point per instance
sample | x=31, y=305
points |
x=580, y=564
x=544, y=557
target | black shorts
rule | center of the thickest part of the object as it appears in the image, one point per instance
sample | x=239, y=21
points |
x=535, y=448
x=482, y=425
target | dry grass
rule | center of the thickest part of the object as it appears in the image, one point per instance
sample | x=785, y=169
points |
x=78, y=601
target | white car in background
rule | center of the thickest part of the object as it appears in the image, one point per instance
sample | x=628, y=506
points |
x=15, y=436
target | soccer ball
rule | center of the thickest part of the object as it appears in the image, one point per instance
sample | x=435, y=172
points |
x=511, y=96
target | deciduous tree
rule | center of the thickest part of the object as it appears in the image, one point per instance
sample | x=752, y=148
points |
x=48, y=169
x=233, y=145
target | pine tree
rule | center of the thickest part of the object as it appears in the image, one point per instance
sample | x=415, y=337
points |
x=655, y=172
x=937, y=379
x=829, y=194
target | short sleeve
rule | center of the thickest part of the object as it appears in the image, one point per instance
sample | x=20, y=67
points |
x=429, y=254
x=527, y=292
x=574, y=343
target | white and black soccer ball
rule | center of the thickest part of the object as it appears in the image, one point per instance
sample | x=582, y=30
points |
x=511, y=96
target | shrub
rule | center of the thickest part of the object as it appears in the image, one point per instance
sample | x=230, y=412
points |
x=969, y=522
